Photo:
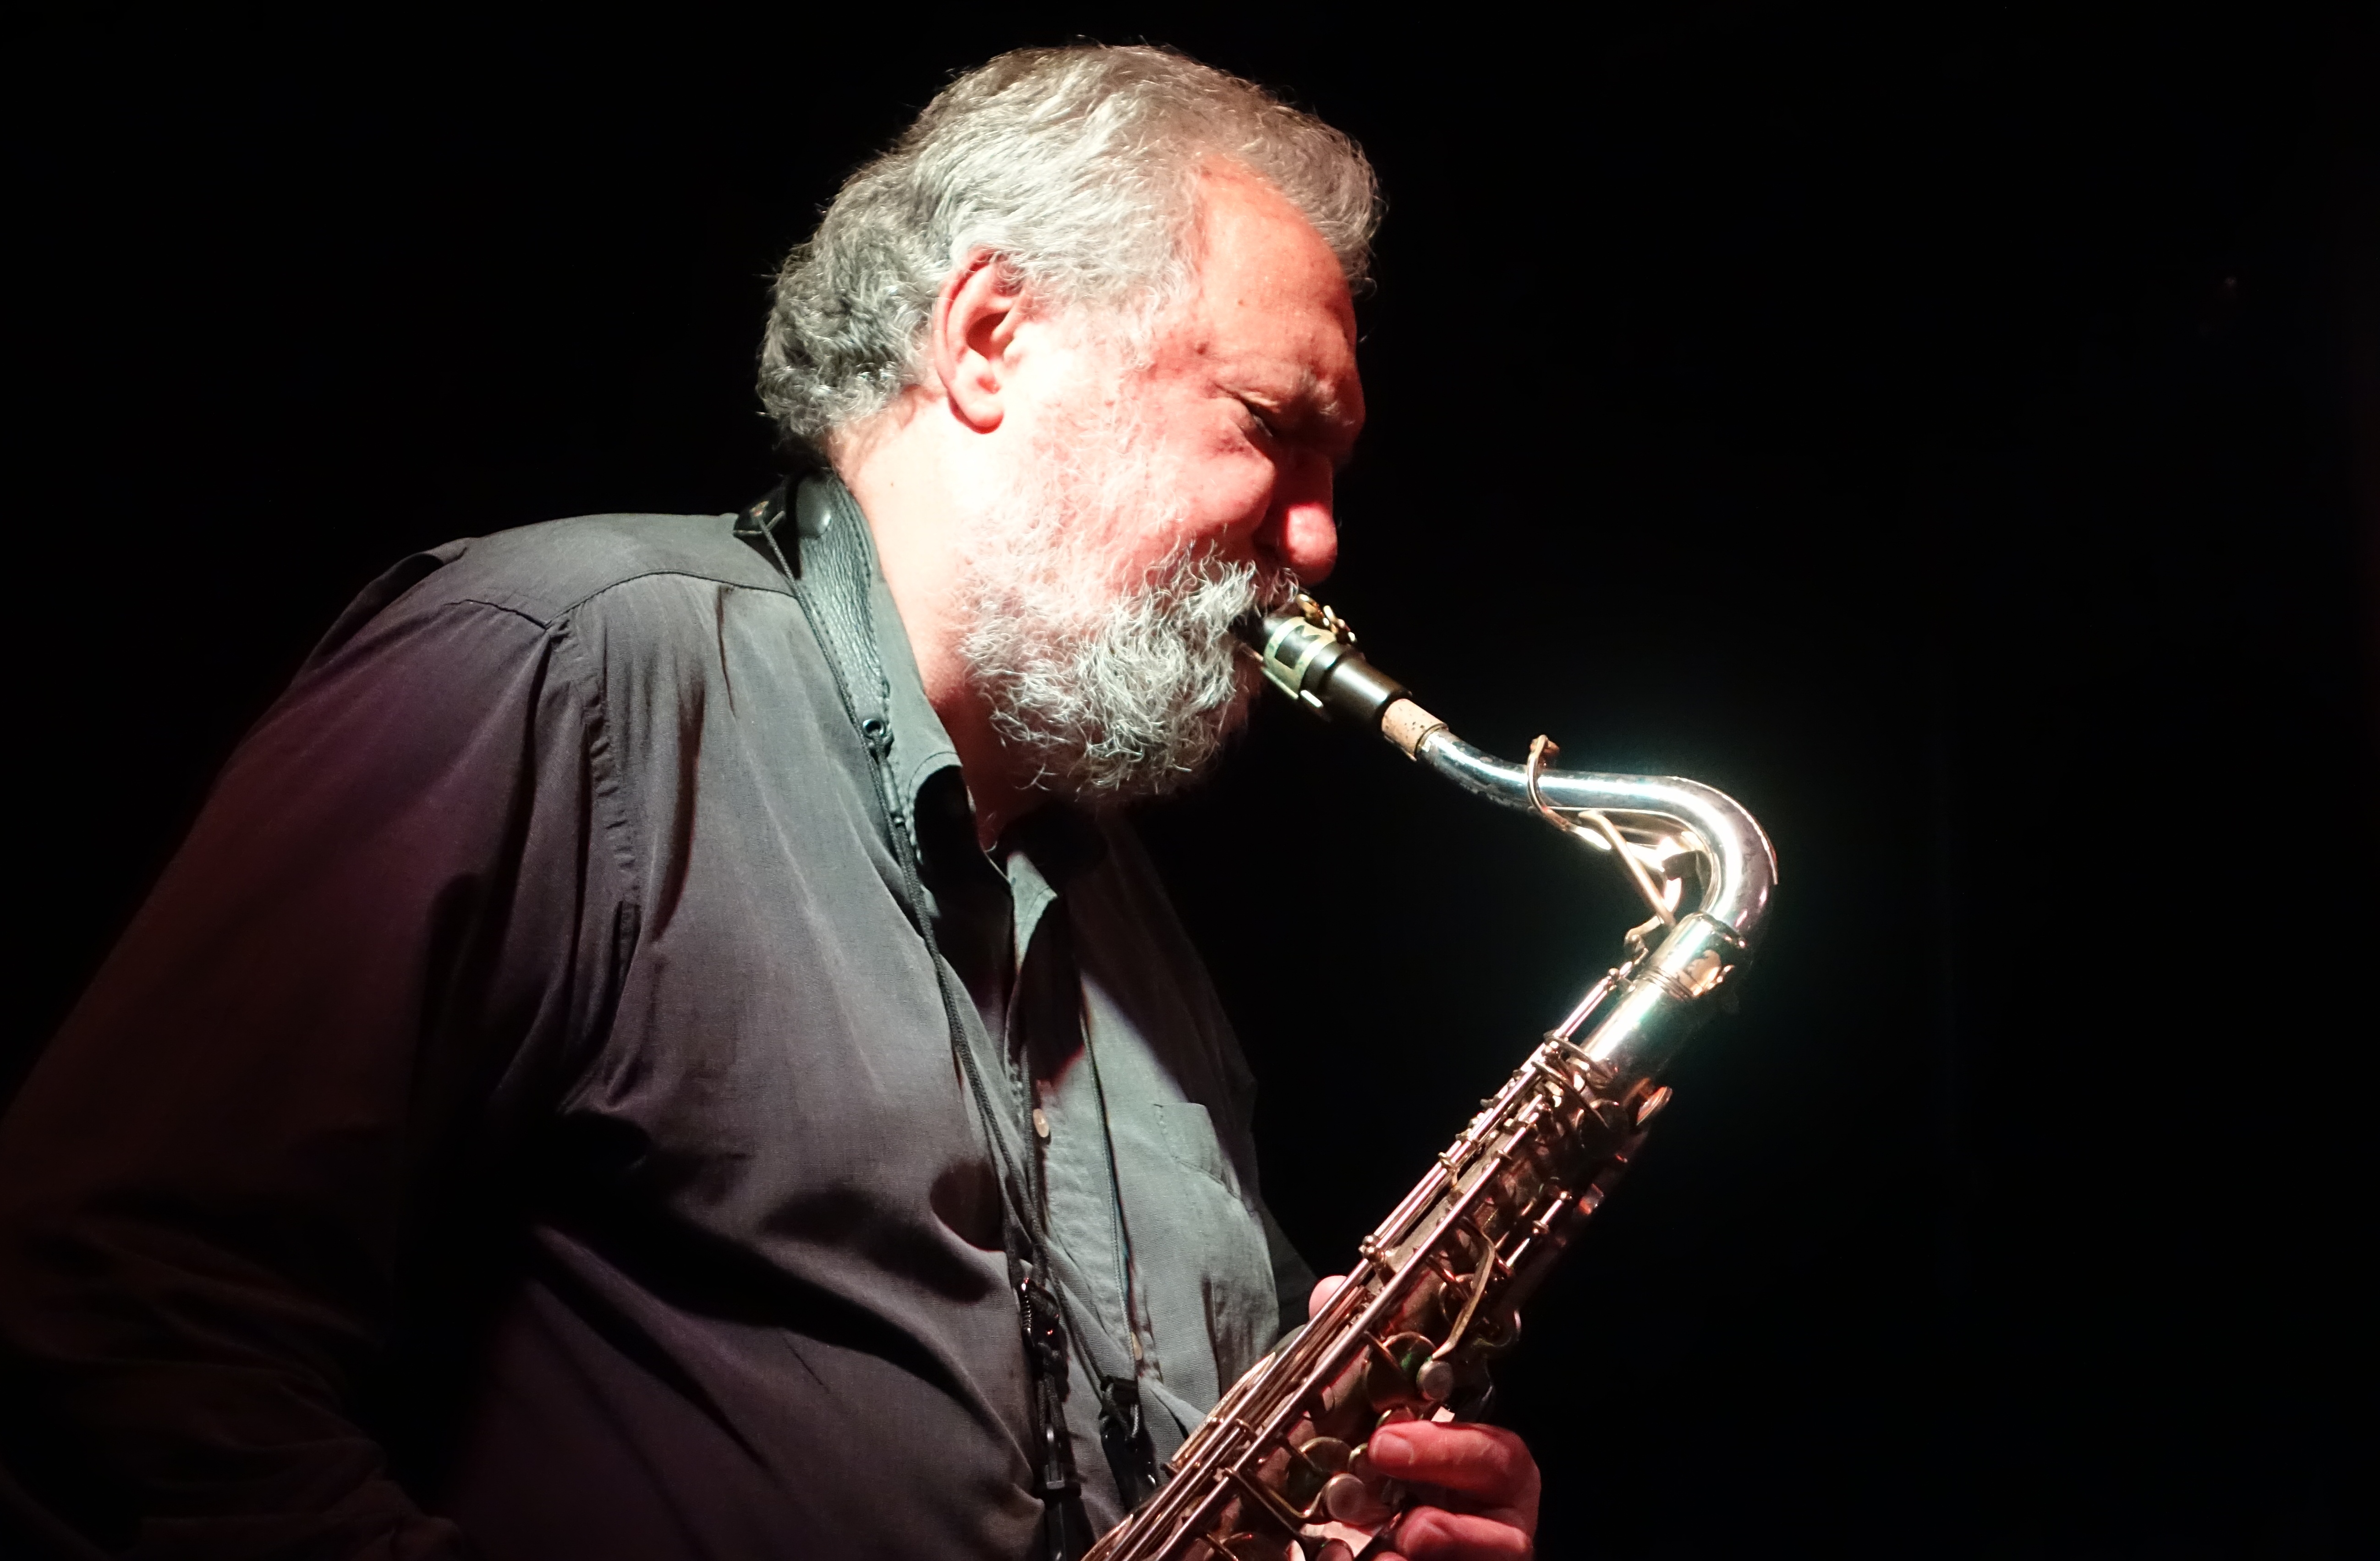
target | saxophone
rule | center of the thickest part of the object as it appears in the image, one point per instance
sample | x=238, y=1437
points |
x=1278, y=1471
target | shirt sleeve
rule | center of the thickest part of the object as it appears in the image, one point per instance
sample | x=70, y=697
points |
x=298, y=1072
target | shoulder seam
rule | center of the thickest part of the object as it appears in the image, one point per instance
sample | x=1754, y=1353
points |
x=559, y=613
x=671, y=573
x=610, y=786
x=505, y=607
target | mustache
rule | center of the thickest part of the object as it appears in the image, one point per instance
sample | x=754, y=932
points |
x=1116, y=694
x=1195, y=570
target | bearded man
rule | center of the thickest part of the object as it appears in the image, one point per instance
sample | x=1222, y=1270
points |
x=659, y=1044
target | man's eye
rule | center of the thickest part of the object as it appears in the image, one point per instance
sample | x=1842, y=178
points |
x=1256, y=416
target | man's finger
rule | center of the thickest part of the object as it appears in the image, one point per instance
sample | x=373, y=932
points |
x=1430, y=1534
x=1487, y=1461
x=1323, y=1290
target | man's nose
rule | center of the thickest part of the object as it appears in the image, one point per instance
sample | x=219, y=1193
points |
x=1302, y=531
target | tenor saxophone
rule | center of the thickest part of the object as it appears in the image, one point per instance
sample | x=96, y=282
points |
x=1278, y=1471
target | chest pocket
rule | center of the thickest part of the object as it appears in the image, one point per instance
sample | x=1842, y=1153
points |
x=1202, y=1248
x=1189, y=1135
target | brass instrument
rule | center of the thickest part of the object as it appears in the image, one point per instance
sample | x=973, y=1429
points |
x=1278, y=1471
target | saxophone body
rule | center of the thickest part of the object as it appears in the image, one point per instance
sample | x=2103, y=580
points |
x=1278, y=1471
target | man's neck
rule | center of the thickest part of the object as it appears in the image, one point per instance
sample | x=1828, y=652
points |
x=905, y=489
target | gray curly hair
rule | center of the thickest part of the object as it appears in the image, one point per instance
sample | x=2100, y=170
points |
x=1076, y=168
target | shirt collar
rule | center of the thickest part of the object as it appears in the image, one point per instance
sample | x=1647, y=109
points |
x=921, y=748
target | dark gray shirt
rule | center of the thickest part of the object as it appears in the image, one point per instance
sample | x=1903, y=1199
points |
x=524, y=1111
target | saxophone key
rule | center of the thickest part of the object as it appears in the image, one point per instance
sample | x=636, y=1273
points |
x=1350, y=1500
x=1327, y=1454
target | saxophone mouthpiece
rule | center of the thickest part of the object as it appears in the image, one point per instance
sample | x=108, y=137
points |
x=1308, y=652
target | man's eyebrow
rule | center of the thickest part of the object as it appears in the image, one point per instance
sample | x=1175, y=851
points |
x=1319, y=406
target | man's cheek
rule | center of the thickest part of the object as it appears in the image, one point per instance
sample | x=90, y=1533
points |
x=1242, y=509
x=1226, y=489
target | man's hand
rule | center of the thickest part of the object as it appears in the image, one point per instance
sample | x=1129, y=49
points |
x=1476, y=1485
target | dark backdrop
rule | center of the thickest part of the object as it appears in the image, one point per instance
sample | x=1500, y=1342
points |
x=1940, y=434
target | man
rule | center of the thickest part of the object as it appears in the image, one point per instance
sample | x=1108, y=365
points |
x=639, y=1012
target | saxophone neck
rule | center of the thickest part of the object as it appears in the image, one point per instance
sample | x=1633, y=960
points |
x=1309, y=653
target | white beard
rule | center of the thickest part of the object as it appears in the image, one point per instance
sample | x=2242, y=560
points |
x=1110, y=693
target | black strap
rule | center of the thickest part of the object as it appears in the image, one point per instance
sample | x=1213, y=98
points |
x=1123, y=1432
x=829, y=567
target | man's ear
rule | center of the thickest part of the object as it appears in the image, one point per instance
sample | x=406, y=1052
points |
x=970, y=335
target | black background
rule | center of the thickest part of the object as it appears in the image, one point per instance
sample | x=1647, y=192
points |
x=1940, y=434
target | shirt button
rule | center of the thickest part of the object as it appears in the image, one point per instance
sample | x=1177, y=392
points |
x=1040, y=1125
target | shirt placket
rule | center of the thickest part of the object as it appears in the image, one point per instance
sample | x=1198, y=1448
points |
x=1057, y=1071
